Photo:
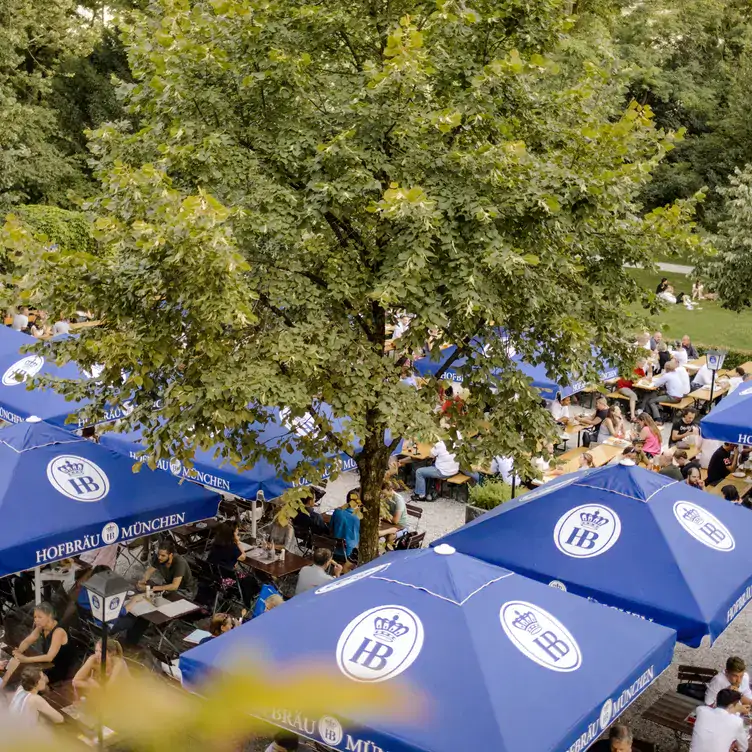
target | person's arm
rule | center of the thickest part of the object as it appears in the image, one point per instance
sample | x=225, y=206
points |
x=170, y=587
x=734, y=460
x=711, y=692
x=45, y=709
x=240, y=548
x=83, y=678
x=659, y=381
x=675, y=435
x=148, y=574
x=55, y=644
x=742, y=736
x=28, y=642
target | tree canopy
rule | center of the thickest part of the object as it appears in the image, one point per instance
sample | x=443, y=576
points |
x=303, y=173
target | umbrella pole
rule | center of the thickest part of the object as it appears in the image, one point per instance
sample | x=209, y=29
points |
x=37, y=585
x=712, y=386
x=253, y=519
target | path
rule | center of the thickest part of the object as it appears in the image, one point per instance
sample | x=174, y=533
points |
x=671, y=268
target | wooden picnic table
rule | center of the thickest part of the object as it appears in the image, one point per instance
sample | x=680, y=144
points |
x=703, y=394
x=672, y=711
x=602, y=455
x=159, y=618
x=292, y=564
x=743, y=485
x=696, y=364
x=416, y=451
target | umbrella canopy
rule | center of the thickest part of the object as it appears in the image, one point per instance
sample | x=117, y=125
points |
x=470, y=638
x=16, y=401
x=731, y=419
x=213, y=471
x=629, y=538
x=548, y=386
x=61, y=495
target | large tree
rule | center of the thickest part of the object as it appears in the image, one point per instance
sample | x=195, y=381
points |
x=303, y=172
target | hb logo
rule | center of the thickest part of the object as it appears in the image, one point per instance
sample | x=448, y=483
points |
x=586, y=531
x=380, y=644
x=704, y=526
x=540, y=636
x=78, y=478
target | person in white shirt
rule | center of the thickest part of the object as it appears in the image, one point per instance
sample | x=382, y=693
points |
x=445, y=466
x=680, y=356
x=560, y=410
x=703, y=377
x=736, y=379
x=504, y=466
x=61, y=327
x=684, y=374
x=735, y=676
x=21, y=319
x=717, y=729
x=674, y=384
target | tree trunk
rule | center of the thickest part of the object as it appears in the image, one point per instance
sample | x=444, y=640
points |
x=373, y=462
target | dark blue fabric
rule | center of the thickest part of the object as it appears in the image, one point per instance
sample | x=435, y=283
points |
x=681, y=556
x=437, y=627
x=731, y=419
x=61, y=495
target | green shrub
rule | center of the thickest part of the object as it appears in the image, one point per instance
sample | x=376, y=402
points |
x=490, y=494
x=69, y=229
x=733, y=358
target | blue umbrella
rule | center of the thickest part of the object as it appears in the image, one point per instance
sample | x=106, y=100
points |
x=214, y=471
x=731, y=419
x=17, y=402
x=61, y=495
x=548, y=386
x=629, y=538
x=466, y=636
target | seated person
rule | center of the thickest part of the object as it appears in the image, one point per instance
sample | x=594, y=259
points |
x=734, y=677
x=650, y=435
x=225, y=550
x=54, y=646
x=668, y=467
x=619, y=740
x=694, y=479
x=685, y=426
x=345, y=523
x=736, y=380
x=89, y=675
x=625, y=386
x=680, y=356
x=685, y=464
x=318, y=573
x=273, y=601
x=702, y=378
x=722, y=463
x=664, y=356
x=731, y=493
x=174, y=570
x=282, y=535
x=601, y=413
x=675, y=391
x=689, y=347
x=221, y=623
x=720, y=729
x=26, y=700
x=560, y=410
x=504, y=467
x=586, y=461
x=611, y=425
x=445, y=466
x=310, y=520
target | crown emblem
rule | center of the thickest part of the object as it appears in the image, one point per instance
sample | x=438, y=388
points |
x=692, y=515
x=389, y=630
x=593, y=520
x=71, y=468
x=527, y=622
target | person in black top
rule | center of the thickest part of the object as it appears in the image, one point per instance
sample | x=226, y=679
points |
x=619, y=740
x=662, y=286
x=173, y=568
x=684, y=463
x=721, y=463
x=53, y=646
x=689, y=347
x=225, y=550
x=664, y=356
x=310, y=520
x=685, y=425
x=601, y=413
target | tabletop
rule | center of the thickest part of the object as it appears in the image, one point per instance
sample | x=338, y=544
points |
x=704, y=392
x=159, y=617
x=743, y=485
x=292, y=563
x=696, y=364
x=416, y=451
x=672, y=711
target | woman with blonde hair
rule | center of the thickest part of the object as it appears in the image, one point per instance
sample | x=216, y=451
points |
x=650, y=434
x=88, y=676
x=586, y=460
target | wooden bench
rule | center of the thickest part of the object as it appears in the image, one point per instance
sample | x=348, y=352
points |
x=696, y=674
x=617, y=395
x=457, y=486
x=681, y=405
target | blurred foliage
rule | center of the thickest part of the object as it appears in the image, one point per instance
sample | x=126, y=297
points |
x=150, y=714
x=490, y=494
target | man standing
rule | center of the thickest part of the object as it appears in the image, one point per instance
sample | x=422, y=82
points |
x=717, y=729
x=173, y=569
x=734, y=677
x=619, y=740
x=689, y=347
x=445, y=466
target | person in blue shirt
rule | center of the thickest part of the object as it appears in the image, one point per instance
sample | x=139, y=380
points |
x=345, y=523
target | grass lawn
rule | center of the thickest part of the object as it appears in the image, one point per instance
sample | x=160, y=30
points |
x=712, y=325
